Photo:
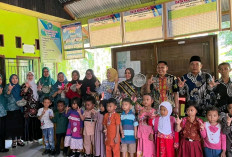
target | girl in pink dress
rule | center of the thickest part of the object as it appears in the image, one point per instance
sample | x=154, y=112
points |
x=146, y=147
x=74, y=138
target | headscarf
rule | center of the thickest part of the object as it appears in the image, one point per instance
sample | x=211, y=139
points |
x=58, y=83
x=164, y=125
x=78, y=74
x=33, y=86
x=88, y=83
x=104, y=103
x=46, y=81
x=132, y=74
x=113, y=74
x=16, y=91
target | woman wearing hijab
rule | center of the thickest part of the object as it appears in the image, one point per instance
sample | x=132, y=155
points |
x=14, y=122
x=108, y=86
x=88, y=85
x=44, y=84
x=71, y=93
x=58, y=90
x=2, y=118
x=29, y=92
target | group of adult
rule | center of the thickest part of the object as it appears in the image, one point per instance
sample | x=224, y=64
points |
x=22, y=123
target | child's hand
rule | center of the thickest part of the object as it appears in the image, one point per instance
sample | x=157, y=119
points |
x=223, y=154
x=123, y=136
x=44, y=112
x=67, y=108
x=116, y=140
x=202, y=127
x=136, y=136
x=151, y=137
x=78, y=110
x=105, y=131
x=178, y=120
x=228, y=120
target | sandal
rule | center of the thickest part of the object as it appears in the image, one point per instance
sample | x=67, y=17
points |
x=20, y=143
x=14, y=144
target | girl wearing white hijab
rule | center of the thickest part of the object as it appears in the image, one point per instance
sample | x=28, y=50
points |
x=30, y=94
x=166, y=138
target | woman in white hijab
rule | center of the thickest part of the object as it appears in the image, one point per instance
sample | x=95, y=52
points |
x=32, y=124
x=165, y=136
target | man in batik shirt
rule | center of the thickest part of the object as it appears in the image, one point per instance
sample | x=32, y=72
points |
x=197, y=86
x=223, y=88
x=164, y=87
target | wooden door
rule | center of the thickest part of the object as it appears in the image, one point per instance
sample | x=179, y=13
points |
x=178, y=53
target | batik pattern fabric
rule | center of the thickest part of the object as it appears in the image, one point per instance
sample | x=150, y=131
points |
x=223, y=95
x=163, y=89
x=197, y=89
x=105, y=86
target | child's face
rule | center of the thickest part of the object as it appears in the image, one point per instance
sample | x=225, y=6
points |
x=102, y=108
x=212, y=116
x=229, y=108
x=89, y=105
x=224, y=70
x=163, y=111
x=111, y=107
x=61, y=78
x=147, y=100
x=47, y=103
x=191, y=111
x=60, y=107
x=126, y=106
x=75, y=106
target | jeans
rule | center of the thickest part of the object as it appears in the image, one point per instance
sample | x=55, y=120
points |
x=49, y=138
x=58, y=140
x=212, y=152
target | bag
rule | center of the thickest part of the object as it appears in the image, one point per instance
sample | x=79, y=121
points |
x=21, y=103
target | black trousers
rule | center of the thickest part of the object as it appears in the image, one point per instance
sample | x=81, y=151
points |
x=2, y=132
x=58, y=140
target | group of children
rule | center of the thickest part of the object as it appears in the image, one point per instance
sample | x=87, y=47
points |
x=151, y=133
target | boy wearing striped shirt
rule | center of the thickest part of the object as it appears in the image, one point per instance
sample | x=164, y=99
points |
x=128, y=128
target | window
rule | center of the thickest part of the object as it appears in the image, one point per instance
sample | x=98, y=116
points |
x=37, y=44
x=1, y=40
x=18, y=42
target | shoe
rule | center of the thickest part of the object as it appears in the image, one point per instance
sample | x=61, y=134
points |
x=53, y=152
x=47, y=151
x=14, y=144
x=4, y=150
x=20, y=143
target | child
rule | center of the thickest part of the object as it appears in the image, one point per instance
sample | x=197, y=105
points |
x=111, y=124
x=145, y=143
x=226, y=129
x=45, y=115
x=214, y=139
x=89, y=124
x=61, y=126
x=99, y=135
x=73, y=136
x=166, y=138
x=128, y=128
x=190, y=144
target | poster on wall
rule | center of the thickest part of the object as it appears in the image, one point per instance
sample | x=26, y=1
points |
x=72, y=40
x=85, y=36
x=143, y=24
x=191, y=17
x=105, y=30
x=50, y=41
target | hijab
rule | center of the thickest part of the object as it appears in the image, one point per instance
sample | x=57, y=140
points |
x=113, y=74
x=132, y=74
x=104, y=103
x=16, y=91
x=33, y=86
x=78, y=74
x=88, y=83
x=58, y=83
x=46, y=81
x=164, y=125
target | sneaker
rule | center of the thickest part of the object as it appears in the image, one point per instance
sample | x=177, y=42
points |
x=53, y=152
x=47, y=151
x=20, y=143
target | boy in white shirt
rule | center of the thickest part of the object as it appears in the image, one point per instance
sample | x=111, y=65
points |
x=45, y=115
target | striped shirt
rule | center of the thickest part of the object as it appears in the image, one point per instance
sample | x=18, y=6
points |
x=128, y=123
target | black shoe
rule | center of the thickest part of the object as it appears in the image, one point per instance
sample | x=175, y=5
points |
x=4, y=150
x=53, y=152
x=47, y=151
x=14, y=144
x=20, y=143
